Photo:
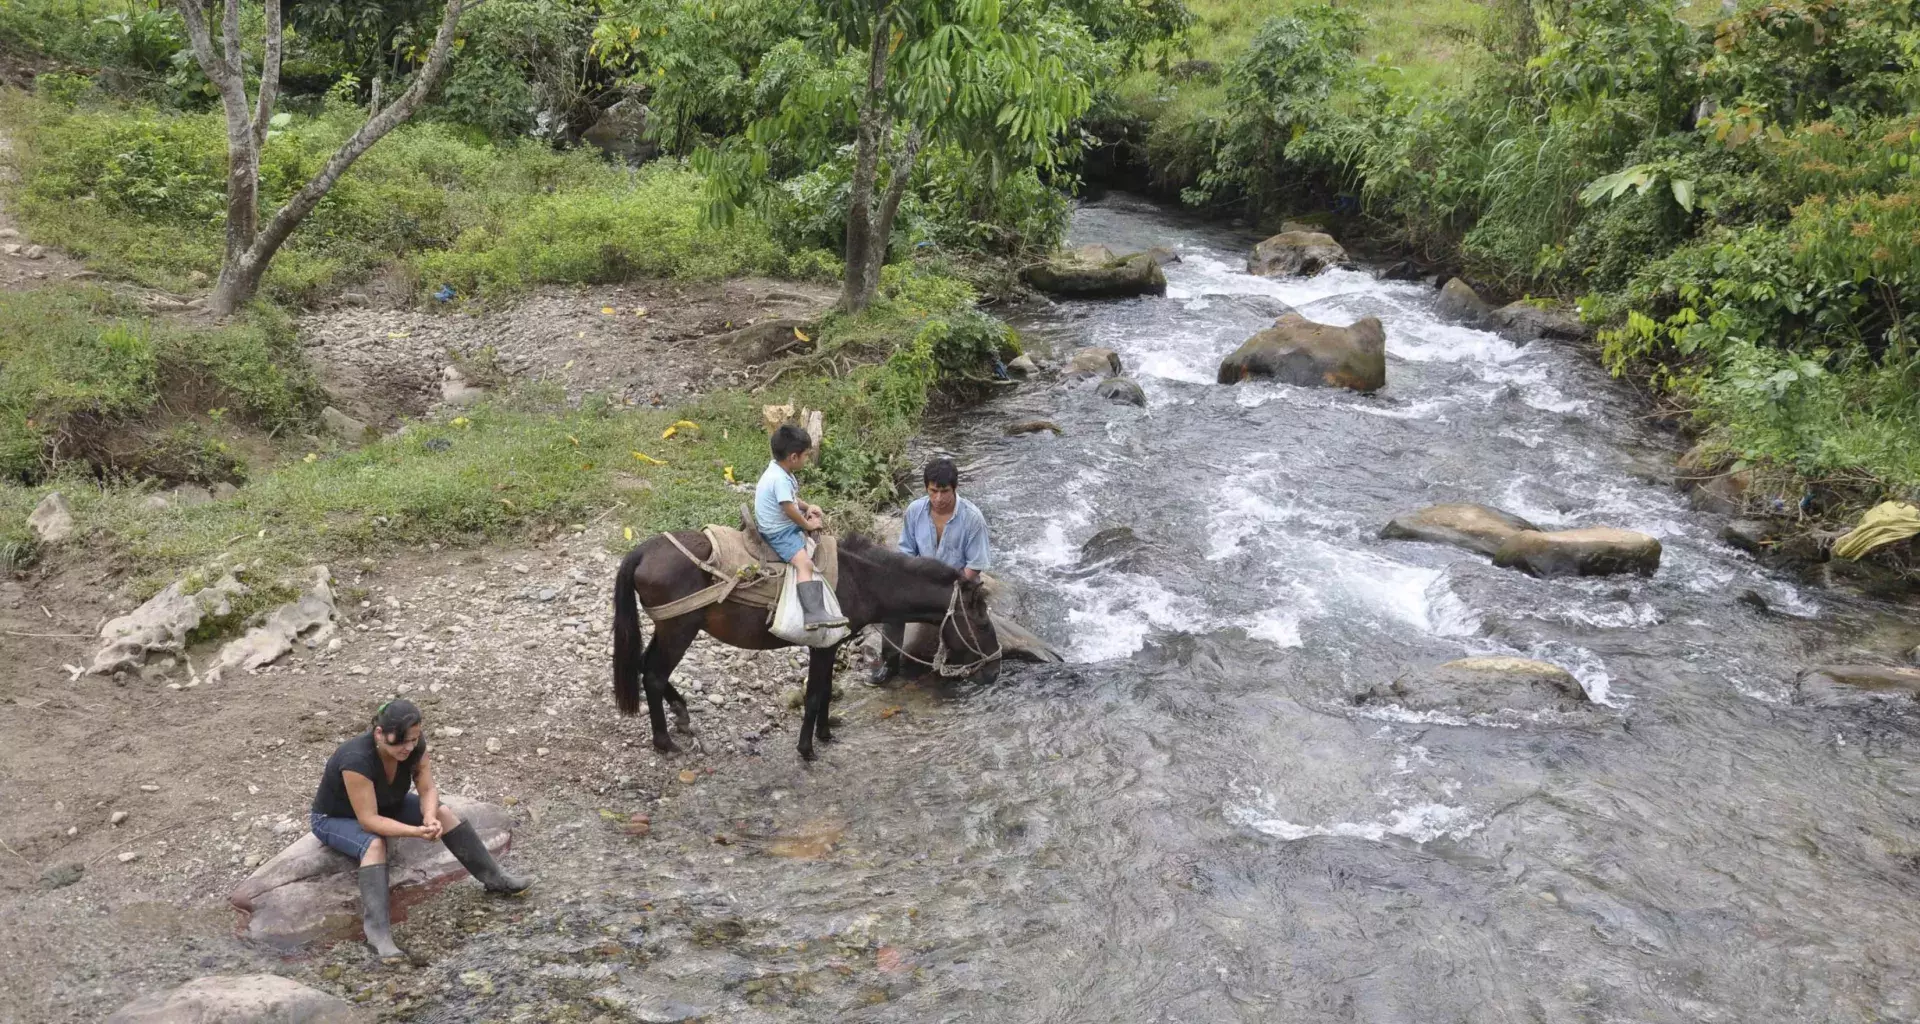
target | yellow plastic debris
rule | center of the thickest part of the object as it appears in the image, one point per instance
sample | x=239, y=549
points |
x=629, y=532
x=608, y=310
x=728, y=473
x=461, y=421
x=1883, y=524
x=648, y=459
x=677, y=426
x=575, y=440
x=800, y=334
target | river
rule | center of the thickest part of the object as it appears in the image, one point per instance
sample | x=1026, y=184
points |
x=1192, y=821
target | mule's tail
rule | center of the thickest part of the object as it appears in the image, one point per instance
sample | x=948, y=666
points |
x=627, y=641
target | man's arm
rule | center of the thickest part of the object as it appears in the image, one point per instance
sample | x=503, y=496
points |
x=979, y=552
x=908, y=546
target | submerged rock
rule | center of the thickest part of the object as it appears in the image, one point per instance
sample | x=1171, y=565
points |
x=1298, y=351
x=1033, y=427
x=310, y=892
x=1120, y=389
x=1483, y=686
x=1853, y=685
x=1594, y=551
x=1458, y=301
x=1119, y=277
x=1023, y=365
x=1298, y=252
x=241, y=999
x=1479, y=528
x=1103, y=361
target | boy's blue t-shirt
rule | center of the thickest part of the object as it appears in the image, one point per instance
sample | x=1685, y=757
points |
x=776, y=485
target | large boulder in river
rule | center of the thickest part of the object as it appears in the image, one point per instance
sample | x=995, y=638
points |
x=1483, y=686
x=1093, y=359
x=1521, y=322
x=309, y=892
x=1298, y=351
x=1079, y=278
x=1593, y=551
x=1122, y=390
x=1459, y=302
x=1474, y=527
x=1852, y=685
x=241, y=999
x=1292, y=253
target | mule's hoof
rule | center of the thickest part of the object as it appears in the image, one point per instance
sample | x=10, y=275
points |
x=665, y=745
x=807, y=754
x=822, y=735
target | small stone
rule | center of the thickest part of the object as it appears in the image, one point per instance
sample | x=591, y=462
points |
x=449, y=732
x=251, y=860
x=542, y=751
x=547, y=595
x=59, y=876
x=358, y=670
x=34, y=252
x=119, y=816
x=688, y=775
x=148, y=787
x=716, y=699
x=493, y=744
x=129, y=856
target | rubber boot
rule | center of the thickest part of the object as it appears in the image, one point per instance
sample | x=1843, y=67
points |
x=472, y=854
x=374, y=915
x=813, y=605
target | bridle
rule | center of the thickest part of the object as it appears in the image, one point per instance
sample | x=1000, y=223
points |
x=957, y=616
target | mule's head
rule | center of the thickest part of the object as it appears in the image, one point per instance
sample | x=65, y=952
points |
x=969, y=634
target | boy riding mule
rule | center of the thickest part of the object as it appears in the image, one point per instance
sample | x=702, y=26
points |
x=669, y=573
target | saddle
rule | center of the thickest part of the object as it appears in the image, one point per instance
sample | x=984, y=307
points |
x=745, y=569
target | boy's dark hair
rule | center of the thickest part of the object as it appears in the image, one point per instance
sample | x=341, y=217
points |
x=395, y=718
x=788, y=440
x=941, y=472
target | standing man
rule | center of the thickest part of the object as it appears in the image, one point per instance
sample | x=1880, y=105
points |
x=942, y=526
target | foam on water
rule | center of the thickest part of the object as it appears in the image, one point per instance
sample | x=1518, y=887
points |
x=1113, y=617
x=1419, y=823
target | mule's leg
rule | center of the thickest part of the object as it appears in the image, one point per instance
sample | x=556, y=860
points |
x=663, y=668
x=669, y=645
x=818, y=696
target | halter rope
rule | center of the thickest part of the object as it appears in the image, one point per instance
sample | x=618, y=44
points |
x=970, y=640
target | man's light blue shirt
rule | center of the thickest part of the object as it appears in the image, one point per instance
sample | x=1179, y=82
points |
x=963, y=545
x=776, y=485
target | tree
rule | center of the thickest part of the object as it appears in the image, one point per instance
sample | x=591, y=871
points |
x=964, y=72
x=250, y=247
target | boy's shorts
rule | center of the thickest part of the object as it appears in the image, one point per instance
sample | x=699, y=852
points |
x=786, y=542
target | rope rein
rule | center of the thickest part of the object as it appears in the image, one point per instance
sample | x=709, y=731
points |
x=969, y=639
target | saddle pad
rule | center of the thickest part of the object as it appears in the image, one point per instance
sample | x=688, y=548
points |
x=756, y=570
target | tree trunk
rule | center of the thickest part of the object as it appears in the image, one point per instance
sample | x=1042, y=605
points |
x=866, y=167
x=903, y=162
x=251, y=247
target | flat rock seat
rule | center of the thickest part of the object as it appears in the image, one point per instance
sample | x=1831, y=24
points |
x=310, y=892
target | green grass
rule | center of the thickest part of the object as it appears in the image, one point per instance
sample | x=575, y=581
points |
x=76, y=362
x=139, y=193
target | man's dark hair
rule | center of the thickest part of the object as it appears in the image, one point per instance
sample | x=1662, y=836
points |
x=941, y=472
x=395, y=718
x=789, y=439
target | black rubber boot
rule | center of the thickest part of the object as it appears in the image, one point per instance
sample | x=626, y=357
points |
x=472, y=854
x=813, y=605
x=374, y=915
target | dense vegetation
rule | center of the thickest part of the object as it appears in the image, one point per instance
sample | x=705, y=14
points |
x=1731, y=197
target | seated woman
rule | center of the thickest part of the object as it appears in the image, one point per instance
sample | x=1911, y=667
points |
x=363, y=801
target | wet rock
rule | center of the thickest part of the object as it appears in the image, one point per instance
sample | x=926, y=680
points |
x=1711, y=482
x=59, y=876
x=309, y=892
x=621, y=132
x=1855, y=685
x=1483, y=686
x=1755, y=536
x=1298, y=252
x=314, y=612
x=1298, y=351
x=343, y=426
x=52, y=520
x=1102, y=361
x=1459, y=302
x=1120, y=389
x=1594, y=551
x=241, y=999
x=1404, y=270
x=1116, y=278
x=162, y=624
x=1095, y=254
x=1474, y=527
x=1023, y=365
x=1116, y=547
x=1521, y=322
x=1162, y=255
x=1032, y=427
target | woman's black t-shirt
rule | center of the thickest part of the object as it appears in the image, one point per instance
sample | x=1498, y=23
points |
x=360, y=755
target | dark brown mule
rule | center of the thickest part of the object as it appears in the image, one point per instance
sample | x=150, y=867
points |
x=877, y=584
